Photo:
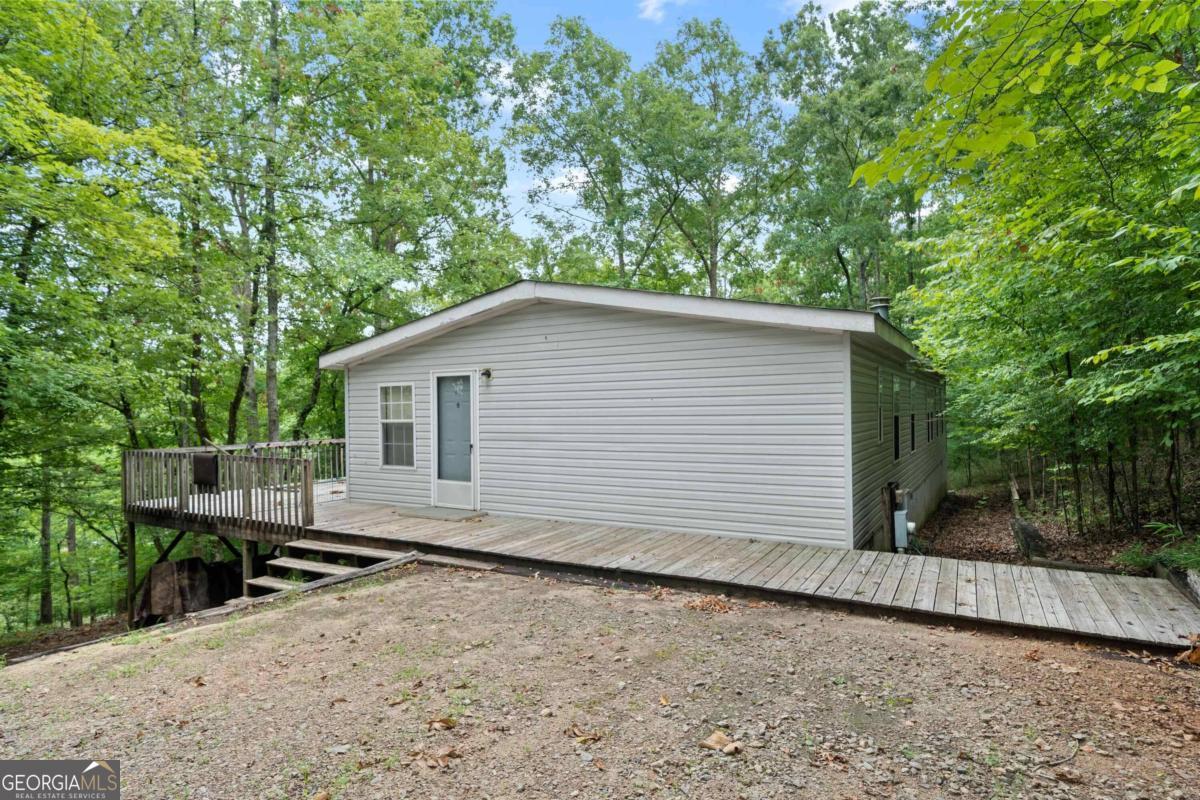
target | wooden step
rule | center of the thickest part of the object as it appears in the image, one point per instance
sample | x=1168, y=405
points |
x=315, y=567
x=345, y=549
x=454, y=561
x=274, y=584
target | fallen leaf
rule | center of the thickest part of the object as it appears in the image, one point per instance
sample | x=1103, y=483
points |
x=337, y=700
x=198, y=681
x=438, y=759
x=716, y=741
x=440, y=724
x=1192, y=654
x=581, y=736
x=1033, y=655
x=709, y=603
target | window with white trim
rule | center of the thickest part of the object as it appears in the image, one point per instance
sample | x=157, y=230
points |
x=397, y=439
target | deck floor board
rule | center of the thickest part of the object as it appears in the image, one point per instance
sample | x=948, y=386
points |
x=1145, y=610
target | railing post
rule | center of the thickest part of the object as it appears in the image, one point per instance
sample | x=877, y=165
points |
x=125, y=480
x=306, y=488
x=183, y=485
x=247, y=489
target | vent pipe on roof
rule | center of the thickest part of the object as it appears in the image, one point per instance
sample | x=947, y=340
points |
x=881, y=306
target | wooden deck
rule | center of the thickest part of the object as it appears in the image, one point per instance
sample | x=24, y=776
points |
x=1141, y=610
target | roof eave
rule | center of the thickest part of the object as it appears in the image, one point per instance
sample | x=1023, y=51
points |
x=479, y=308
x=523, y=293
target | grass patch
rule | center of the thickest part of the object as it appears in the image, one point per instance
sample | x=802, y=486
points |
x=1178, y=550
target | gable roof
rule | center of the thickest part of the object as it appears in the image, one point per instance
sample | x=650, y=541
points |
x=527, y=292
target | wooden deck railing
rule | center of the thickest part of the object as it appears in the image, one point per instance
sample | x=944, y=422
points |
x=265, y=489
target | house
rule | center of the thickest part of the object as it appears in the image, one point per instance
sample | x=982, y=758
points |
x=651, y=410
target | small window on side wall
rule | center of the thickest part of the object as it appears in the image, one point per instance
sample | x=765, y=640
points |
x=879, y=399
x=396, y=434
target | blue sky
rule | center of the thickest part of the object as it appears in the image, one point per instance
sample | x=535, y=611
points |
x=635, y=26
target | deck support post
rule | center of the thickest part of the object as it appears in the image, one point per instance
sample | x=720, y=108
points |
x=249, y=551
x=130, y=572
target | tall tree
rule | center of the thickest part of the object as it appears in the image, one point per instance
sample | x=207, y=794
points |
x=574, y=126
x=854, y=80
x=704, y=132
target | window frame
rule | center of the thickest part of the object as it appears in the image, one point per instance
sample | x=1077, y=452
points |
x=912, y=415
x=879, y=400
x=380, y=422
x=897, y=449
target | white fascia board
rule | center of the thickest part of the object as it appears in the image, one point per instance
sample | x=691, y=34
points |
x=523, y=293
x=679, y=305
x=479, y=308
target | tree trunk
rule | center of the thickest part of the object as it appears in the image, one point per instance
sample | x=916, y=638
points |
x=837, y=251
x=714, y=256
x=1135, y=494
x=74, y=609
x=14, y=312
x=194, y=383
x=246, y=389
x=1029, y=474
x=46, y=608
x=1173, y=486
x=1110, y=488
x=310, y=403
x=863, y=280
x=270, y=234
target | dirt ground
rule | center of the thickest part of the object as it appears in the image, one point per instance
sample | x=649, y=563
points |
x=434, y=683
x=974, y=524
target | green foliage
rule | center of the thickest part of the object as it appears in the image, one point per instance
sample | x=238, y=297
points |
x=663, y=173
x=1178, y=550
x=195, y=201
x=855, y=82
x=1062, y=305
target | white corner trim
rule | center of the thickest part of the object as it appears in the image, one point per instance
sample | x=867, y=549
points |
x=848, y=433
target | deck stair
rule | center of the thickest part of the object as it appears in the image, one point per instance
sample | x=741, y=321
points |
x=273, y=584
x=334, y=549
x=285, y=564
x=312, y=560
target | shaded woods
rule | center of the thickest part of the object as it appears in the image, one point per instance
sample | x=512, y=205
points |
x=198, y=198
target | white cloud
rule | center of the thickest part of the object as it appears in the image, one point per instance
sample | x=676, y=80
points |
x=655, y=10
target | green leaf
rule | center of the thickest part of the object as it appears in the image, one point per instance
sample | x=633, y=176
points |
x=1158, y=86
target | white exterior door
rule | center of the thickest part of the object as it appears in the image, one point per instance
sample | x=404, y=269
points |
x=454, y=453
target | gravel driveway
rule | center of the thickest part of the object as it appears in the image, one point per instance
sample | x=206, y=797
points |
x=433, y=683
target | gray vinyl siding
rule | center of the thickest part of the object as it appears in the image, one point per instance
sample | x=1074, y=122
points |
x=628, y=418
x=922, y=471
